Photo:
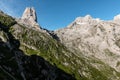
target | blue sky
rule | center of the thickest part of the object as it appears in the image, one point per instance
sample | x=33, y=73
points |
x=55, y=14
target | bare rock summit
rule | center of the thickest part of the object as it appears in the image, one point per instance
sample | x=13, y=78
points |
x=30, y=14
x=29, y=18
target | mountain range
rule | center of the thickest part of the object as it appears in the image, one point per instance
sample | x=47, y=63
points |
x=87, y=49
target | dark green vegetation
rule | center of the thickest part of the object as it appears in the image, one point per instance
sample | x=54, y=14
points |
x=33, y=42
x=6, y=20
x=15, y=65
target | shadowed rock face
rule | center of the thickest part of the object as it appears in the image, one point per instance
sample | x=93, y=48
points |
x=15, y=65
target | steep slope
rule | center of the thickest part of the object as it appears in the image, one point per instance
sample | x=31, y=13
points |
x=41, y=42
x=15, y=65
x=94, y=38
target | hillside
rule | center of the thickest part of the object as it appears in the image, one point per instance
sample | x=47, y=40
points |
x=94, y=38
x=31, y=52
x=16, y=64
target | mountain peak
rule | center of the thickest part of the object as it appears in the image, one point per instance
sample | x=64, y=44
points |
x=86, y=20
x=88, y=17
x=29, y=18
x=30, y=14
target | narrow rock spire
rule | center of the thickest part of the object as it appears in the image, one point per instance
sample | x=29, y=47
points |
x=30, y=14
x=29, y=18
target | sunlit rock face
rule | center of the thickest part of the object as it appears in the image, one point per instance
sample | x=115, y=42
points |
x=94, y=37
x=29, y=18
x=30, y=14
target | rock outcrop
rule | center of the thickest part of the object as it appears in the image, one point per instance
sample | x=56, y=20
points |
x=30, y=14
x=29, y=18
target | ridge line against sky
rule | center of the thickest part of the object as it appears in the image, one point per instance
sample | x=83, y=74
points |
x=55, y=14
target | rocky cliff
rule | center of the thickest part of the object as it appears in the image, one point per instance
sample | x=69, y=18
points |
x=16, y=65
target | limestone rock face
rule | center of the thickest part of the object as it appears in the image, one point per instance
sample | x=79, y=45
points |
x=30, y=14
x=84, y=21
x=29, y=18
x=94, y=37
